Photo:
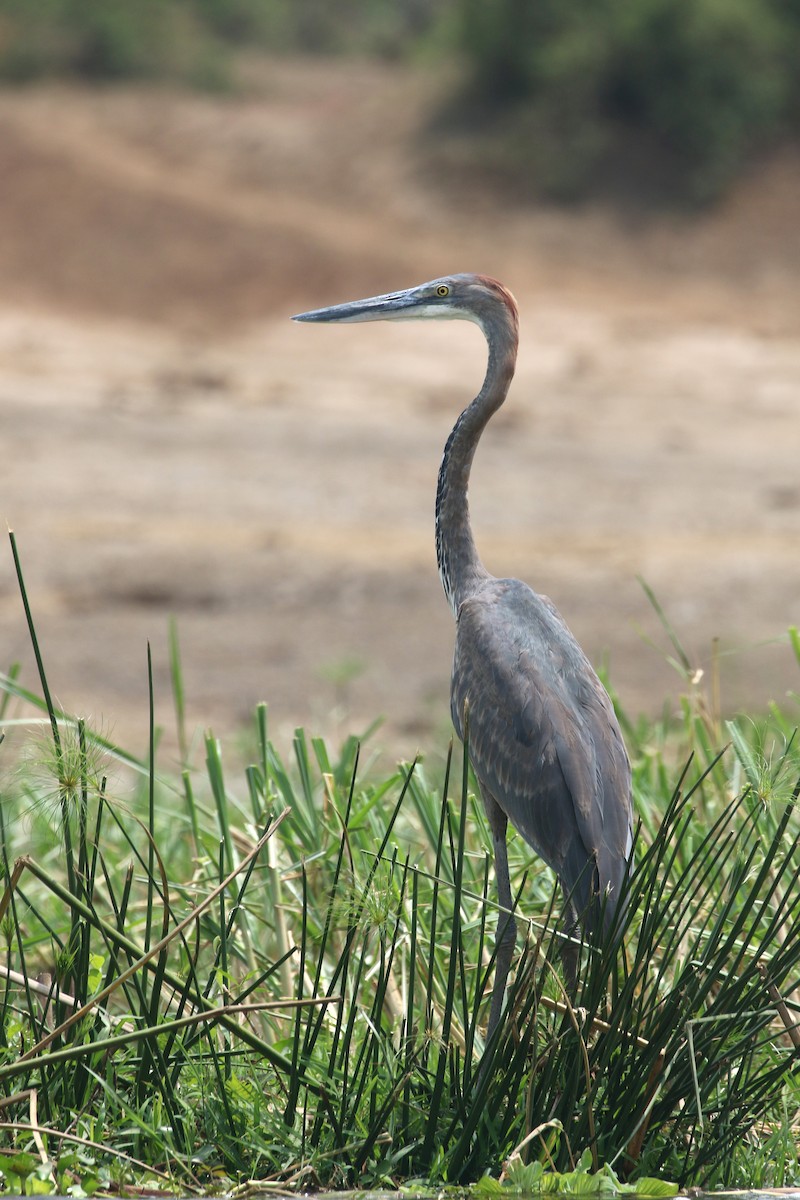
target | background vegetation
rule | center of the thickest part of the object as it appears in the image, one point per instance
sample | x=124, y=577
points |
x=685, y=89
x=666, y=97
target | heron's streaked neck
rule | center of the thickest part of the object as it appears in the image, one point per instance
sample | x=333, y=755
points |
x=460, y=567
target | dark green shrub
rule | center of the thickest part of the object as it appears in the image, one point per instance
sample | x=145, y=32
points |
x=701, y=82
x=708, y=79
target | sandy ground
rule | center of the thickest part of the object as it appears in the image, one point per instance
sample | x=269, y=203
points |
x=172, y=445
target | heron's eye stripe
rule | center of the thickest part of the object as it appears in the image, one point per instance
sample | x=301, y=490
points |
x=443, y=290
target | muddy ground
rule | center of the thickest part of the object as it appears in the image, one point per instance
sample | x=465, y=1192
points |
x=173, y=445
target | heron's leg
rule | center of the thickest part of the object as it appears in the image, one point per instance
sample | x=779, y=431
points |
x=506, y=925
x=569, y=951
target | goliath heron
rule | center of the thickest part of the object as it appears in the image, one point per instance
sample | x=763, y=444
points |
x=544, y=741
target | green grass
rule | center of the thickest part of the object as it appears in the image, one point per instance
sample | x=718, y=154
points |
x=284, y=978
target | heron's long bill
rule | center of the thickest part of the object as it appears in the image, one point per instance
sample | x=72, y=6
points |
x=374, y=308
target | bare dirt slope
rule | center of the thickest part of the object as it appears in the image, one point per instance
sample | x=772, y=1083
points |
x=173, y=445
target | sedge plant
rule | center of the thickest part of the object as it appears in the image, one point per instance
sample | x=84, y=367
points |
x=284, y=979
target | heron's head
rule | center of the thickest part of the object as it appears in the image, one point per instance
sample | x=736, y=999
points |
x=468, y=297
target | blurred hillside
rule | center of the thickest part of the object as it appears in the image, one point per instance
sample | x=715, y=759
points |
x=174, y=445
x=658, y=101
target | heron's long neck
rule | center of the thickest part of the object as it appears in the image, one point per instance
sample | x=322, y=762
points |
x=460, y=567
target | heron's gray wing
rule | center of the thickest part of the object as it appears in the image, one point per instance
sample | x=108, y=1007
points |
x=543, y=736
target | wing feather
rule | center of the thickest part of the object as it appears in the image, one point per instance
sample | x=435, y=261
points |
x=544, y=739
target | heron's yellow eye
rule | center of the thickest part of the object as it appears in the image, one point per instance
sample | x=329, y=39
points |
x=443, y=290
